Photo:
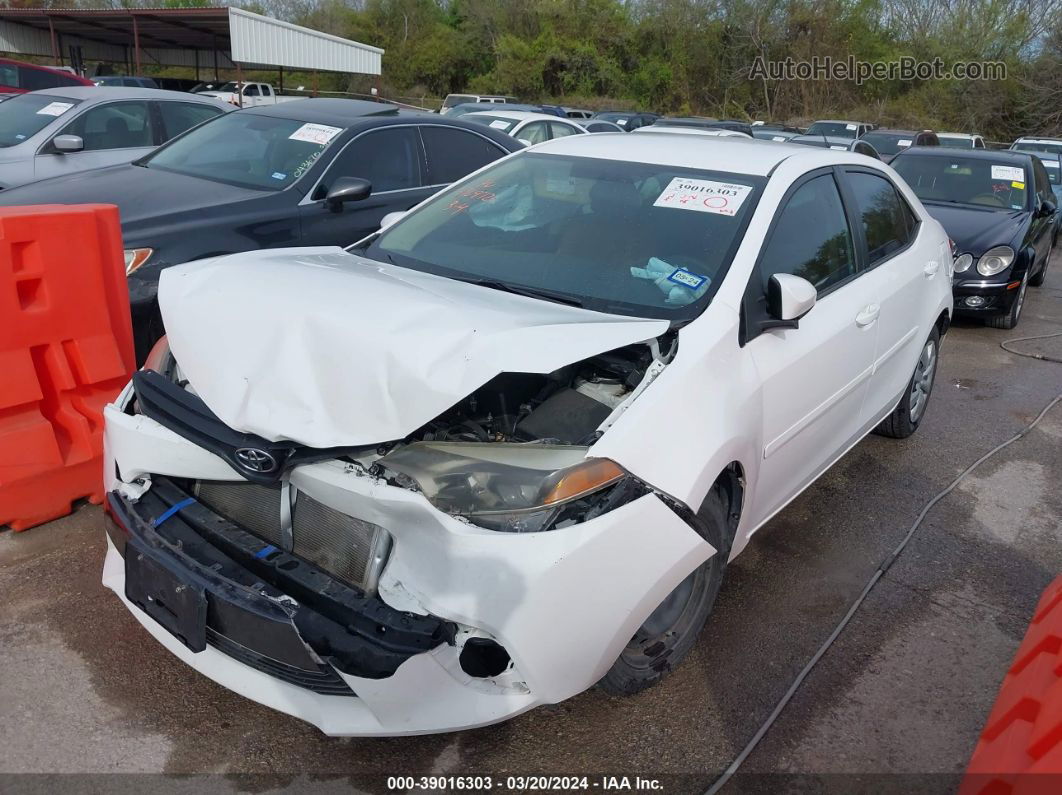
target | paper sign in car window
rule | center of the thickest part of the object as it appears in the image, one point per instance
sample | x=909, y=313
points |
x=621, y=122
x=501, y=124
x=777, y=137
x=703, y=196
x=841, y=148
x=904, y=142
x=319, y=134
x=55, y=108
x=1009, y=173
x=849, y=126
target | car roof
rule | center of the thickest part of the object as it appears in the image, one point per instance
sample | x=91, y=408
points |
x=710, y=132
x=897, y=132
x=734, y=154
x=818, y=139
x=837, y=121
x=325, y=110
x=517, y=115
x=1002, y=155
x=955, y=135
x=87, y=93
x=1027, y=139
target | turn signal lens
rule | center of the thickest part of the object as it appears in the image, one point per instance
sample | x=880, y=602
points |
x=135, y=257
x=593, y=474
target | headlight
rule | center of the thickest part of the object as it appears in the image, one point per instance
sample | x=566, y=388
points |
x=995, y=260
x=515, y=488
x=963, y=262
x=135, y=257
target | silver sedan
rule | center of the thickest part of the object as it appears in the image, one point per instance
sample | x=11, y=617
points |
x=61, y=131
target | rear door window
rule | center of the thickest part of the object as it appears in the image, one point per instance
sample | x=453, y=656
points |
x=180, y=116
x=886, y=225
x=452, y=153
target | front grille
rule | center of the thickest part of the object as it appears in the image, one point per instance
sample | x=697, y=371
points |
x=346, y=547
x=324, y=680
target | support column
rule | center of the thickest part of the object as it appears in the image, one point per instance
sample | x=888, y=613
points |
x=136, y=44
x=239, y=85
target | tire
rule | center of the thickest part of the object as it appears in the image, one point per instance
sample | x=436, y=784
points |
x=908, y=414
x=1038, y=279
x=1010, y=318
x=670, y=633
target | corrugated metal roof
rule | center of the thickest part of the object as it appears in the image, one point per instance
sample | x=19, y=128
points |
x=259, y=39
x=182, y=37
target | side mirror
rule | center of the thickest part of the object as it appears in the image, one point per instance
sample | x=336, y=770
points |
x=789, y=298
x=391, y=218
x=68, y=143
x=347, y=189
x=1047, y=207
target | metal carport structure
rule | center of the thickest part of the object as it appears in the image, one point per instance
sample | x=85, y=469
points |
x=211, y=38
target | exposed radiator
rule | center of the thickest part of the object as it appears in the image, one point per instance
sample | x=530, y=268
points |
x=348, y=548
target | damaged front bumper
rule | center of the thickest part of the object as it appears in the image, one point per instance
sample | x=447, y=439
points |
x=562, y=604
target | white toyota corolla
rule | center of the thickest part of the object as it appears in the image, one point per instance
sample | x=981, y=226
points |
x=503, y=450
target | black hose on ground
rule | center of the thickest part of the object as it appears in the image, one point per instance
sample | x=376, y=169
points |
x=880, y=571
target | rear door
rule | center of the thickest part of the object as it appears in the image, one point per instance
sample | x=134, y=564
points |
x=815, y=377
x=392, y=159
x=112, y=132
x=898, y=263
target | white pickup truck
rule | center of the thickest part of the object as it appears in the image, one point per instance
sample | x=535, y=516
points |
x=252, y=94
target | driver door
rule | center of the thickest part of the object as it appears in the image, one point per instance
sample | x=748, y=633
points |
x=392, y=159
x=814, y=378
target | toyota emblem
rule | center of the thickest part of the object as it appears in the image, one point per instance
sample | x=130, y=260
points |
x=254, y=460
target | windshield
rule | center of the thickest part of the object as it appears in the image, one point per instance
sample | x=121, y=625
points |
x=497, y=122
x=230, y=87
x=965, y=180
x=458, y=99
x=889, y=143
x=1035, y=146
x=628, y=238
x=28, y=114
x=249, y=150
x=840, y=129
x=954, y=142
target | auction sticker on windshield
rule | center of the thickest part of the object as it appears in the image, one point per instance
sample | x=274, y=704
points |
x=703, y=195
x=319, y=134
x=55, y=108
x=1009, y=173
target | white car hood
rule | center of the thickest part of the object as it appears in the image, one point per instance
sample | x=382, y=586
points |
x=328, y=349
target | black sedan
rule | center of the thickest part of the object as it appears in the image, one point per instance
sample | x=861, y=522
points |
x=999, y=210
x=306, y=172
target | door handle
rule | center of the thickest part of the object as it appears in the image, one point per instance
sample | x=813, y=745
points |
x=931, y=269
x=868, y=315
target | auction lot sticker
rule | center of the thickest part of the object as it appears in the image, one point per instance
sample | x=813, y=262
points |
x=55, y=108
x=319, y=134
x=703, y=195
x=1009, y=173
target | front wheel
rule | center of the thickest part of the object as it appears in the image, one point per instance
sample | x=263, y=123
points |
x=1010, y=318
x=907, y=415
x=671, y=631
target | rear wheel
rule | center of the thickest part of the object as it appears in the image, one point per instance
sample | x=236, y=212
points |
x=907, y=415
x=671, y=631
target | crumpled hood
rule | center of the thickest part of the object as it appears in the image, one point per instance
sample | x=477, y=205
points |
x=329, y=349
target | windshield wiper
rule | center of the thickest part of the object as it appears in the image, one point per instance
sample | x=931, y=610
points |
x=518, y=289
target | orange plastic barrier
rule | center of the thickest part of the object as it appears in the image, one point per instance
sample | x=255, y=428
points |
x=1020, y=750
x=66, y=349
